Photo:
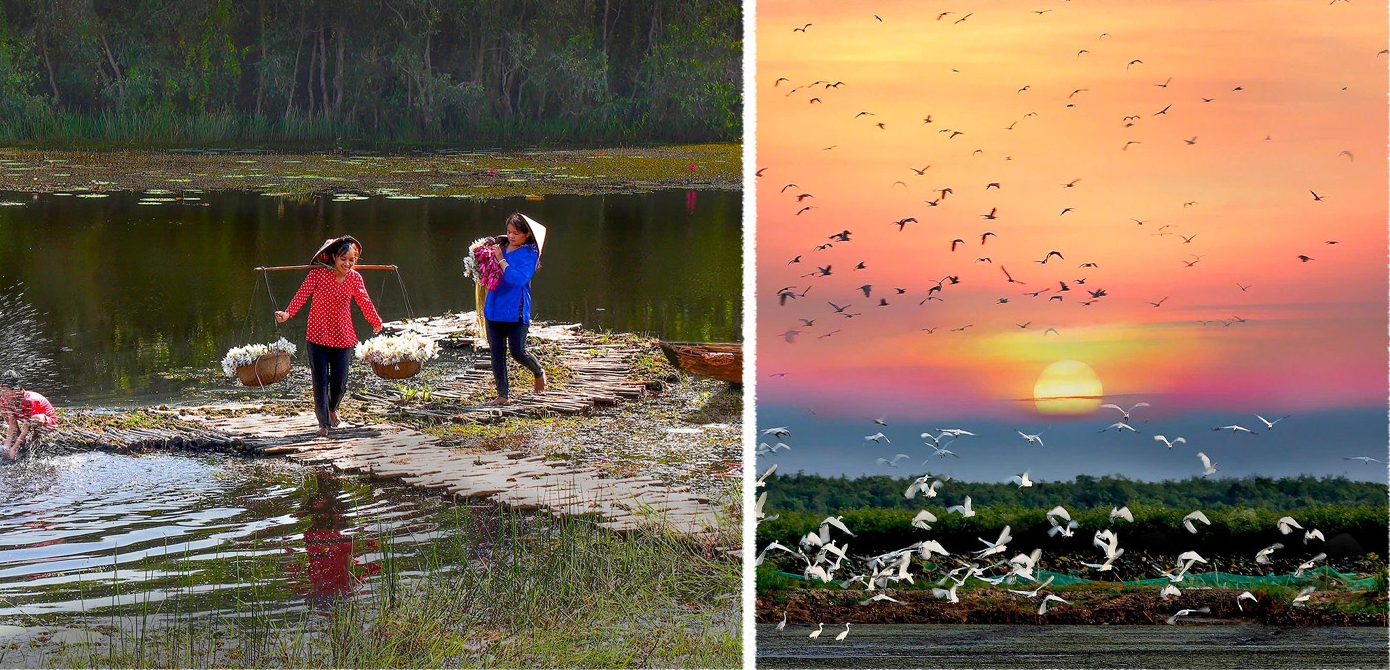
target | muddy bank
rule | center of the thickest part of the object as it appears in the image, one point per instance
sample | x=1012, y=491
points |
x=459, y=174
x=1089, y=606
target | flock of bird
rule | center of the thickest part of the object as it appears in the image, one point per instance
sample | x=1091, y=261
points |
x=826, y=551
x=1052, y=276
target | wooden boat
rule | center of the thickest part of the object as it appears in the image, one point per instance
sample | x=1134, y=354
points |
x=718, y=360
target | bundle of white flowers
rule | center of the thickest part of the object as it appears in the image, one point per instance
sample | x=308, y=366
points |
x=392, y=349
x=470, y=261
x=239, y=356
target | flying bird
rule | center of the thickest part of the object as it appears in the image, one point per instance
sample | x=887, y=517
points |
x=1208, y=466
x=1032, y=439
x=1125, y=412
x=1170, y=443
x=1195, y=516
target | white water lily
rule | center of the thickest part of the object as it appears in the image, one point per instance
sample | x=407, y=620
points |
x=392, y=349
x=239, y=356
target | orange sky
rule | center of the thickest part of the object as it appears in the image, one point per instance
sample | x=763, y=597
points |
x=1312, y=83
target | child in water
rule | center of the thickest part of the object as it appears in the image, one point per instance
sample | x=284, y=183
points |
x=24, y=411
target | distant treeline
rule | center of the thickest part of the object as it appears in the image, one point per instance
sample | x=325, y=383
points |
x=825, y=495
x=355, y=72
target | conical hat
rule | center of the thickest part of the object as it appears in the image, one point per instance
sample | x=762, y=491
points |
x=321, y=256
x=537, y=231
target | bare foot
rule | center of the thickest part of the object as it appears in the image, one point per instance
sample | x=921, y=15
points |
x=333, y=419
x=540, y=383
x=322, y=432
x=498, y=401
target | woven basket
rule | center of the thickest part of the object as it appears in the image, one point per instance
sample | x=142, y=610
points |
x=401, y=370
x=266, y=370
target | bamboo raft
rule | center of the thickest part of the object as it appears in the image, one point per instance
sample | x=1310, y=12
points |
x=515, y=479
x=599, y=373
x=599, y=377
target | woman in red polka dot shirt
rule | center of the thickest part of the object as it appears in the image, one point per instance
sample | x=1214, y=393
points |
x=331, y=337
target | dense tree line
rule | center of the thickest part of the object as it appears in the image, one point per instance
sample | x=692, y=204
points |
x=814, y=493
x=370, y=71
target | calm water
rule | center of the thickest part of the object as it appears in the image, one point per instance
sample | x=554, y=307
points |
x=96, y=534
x=971, y=646
x=115, y=300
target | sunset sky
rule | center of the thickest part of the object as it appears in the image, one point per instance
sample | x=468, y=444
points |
x=1312, y=86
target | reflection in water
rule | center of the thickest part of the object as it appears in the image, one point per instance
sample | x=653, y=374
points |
x=331, y=568
x=148, y=298
x=95, y=531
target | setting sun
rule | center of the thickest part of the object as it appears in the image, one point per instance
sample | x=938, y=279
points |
x=1067, y=387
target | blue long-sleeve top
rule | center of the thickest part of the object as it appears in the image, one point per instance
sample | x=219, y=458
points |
x=511, y=300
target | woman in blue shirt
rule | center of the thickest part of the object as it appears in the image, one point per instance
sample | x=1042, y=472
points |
x=508, y=307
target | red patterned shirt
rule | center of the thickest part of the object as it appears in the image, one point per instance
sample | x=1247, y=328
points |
x=330, y=317
x=32, y=404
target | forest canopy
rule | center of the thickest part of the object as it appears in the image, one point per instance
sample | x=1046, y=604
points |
x=369, y=72
x=829, y=495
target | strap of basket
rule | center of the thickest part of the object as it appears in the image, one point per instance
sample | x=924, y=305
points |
x=410, y=313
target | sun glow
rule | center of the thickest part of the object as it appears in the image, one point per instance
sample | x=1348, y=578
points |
x=1067, y=387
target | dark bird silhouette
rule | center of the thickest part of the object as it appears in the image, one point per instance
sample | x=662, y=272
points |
x=902, y=223
x=1316, y=197
x=784, y=188
x=993, y=184
x=1065, y=211
x=955, y=242
x=986, y=235
x=1305, y=259
x=1133, y=62
x=798, y=213
x=920, y=172
x=804, y=196
x=1164, y=110
x=760, y=172
x=990, y=216
x=1009, y=276
x=963, y=18
x=802, y=29
x=1165, y=83
x=842, y=236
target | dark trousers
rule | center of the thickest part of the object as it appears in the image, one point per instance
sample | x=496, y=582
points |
x=504, y=335
x=328, y=367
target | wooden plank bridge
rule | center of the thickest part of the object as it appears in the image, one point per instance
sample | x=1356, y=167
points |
x=598, y=372
x=599, y=376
